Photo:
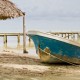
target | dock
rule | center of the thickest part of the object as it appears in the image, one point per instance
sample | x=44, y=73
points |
x=5, y=37
x=68, y=35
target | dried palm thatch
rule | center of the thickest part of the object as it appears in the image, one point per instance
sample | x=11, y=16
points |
x=9, y=10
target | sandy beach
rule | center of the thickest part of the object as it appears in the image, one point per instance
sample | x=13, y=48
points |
x=19, y=66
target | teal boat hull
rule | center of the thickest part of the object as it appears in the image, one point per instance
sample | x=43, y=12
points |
x=55, y=47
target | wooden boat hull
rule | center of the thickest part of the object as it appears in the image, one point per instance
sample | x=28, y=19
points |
x=59, y=48
x=46, y=57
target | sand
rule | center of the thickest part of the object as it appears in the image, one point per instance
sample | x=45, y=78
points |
x=19, y=66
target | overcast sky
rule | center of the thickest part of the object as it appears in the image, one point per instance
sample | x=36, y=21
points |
x=48, y=15
x=50, y=8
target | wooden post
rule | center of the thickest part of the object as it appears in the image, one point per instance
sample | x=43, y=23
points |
x=29, y=42
x=24, y=35
x=68, y=35
x=78, y=35
x=18, y=37
x=5, y=41
x=65, y=35
x=62, y=35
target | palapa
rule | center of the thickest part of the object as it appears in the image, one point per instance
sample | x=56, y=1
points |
x=9, y=10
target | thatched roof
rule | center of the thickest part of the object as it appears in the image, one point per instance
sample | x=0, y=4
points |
x=9, y=10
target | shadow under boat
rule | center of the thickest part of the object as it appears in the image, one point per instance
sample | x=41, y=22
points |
x=54, y=48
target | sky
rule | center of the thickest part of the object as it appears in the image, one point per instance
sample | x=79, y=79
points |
x=45, y=15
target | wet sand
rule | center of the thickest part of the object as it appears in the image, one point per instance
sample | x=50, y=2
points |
x=15, y=66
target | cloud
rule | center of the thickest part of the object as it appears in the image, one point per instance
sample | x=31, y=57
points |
x=51, y=14
x=50, y=8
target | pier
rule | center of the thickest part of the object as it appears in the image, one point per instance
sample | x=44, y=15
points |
x=5, y=38
x=68, y=35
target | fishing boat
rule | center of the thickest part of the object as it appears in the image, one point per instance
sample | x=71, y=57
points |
x=54, y=48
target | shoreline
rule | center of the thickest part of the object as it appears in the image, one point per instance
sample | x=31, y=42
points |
x=18, y=65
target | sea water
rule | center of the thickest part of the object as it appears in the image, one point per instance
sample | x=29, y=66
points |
x=12, y=41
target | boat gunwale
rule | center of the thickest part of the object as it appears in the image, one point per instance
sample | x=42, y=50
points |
x=54, y=37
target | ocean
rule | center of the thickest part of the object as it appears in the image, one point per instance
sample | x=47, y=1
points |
x=12, y=41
